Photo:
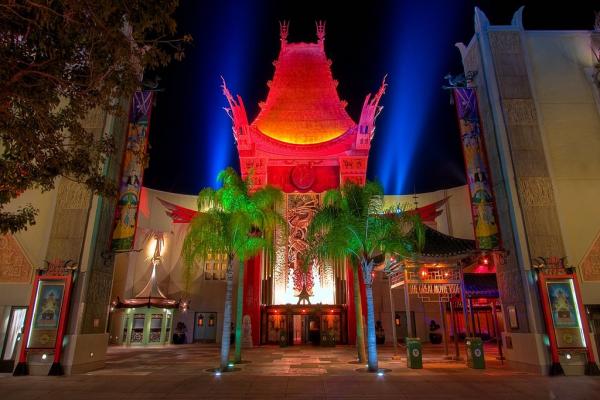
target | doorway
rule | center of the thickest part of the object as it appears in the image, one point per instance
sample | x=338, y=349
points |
x=298, y=329
x=14, y=332
x=402, y=326
x=205, y=327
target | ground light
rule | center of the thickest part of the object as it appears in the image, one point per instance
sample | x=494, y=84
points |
x=218, y=373
x=230, y=365
x=380, y=373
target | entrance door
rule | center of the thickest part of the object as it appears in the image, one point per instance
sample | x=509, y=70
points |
x=13, y=336
x=402, y=326
x=205, y=328
x=314, y=329
x=298, y=329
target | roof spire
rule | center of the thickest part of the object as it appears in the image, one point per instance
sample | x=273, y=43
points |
x=283, y=32
x=321, y=31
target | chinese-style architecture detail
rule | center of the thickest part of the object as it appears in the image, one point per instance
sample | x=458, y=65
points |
x=590, y=265
x=14, y=265
x=147, y=318
x=303, y=139
x=150, y=295
x=304, y=142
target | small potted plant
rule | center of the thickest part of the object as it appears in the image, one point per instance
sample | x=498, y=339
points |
x=179, y=334
x=434, y=336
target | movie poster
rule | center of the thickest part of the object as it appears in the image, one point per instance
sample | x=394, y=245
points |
x=46, y=314
x=133, y=171
x=483, y=207
x=565, y=314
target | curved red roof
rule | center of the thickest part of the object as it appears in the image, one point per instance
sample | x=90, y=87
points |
x=303, y=106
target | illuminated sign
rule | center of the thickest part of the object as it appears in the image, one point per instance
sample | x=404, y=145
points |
x=564, y=311
x=434, y=288
x=46, y=314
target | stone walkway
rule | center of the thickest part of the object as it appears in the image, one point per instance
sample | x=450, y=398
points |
x=180, y=372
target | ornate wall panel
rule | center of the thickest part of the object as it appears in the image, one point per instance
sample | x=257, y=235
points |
x=14, y=265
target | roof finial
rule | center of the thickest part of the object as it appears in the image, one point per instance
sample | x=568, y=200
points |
x=283, y=32
x=320, y=31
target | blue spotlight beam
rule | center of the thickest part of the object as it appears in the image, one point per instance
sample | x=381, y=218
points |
x=418, y=35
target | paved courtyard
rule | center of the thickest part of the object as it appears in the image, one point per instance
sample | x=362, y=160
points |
x=180, y=372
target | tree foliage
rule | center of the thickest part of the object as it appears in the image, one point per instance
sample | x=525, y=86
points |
x=62, y=59
x=232, y=221
x=238, y=224
x=353, y=223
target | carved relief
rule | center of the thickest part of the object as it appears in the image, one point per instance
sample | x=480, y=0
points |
x=303, y=176
x=259, y=165
x=300, y=210
x=14, y=265
x=72, y=195
x=471, y=61
x=505, y=42
x=590, y=266
x=520, y=112
x=536, y=191
x=545, y=245
x=357, y=179
x=353, y=165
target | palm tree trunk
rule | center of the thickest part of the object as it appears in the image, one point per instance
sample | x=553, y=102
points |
x=226, y=337
x=360, y=337
x=239, y=314
x=371, y=343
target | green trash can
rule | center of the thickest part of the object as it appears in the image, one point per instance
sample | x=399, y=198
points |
x=414, y=353
x=475, y=357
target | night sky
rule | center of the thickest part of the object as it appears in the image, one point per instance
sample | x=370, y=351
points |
x=416, y=146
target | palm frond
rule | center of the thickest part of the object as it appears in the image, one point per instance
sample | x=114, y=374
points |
x=232, y=221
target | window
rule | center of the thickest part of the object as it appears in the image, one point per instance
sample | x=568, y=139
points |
x=215, y=267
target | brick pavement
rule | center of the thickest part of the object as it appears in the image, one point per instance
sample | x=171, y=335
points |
x=180, y=372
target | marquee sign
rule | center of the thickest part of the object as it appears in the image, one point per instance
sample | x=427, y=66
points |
x=440, y=289
x=428, y=284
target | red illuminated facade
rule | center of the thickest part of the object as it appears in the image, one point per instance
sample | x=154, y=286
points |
x=301, y=141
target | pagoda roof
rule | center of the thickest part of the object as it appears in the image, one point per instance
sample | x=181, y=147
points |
x=440, y=245
x=481, y=285
x=303, y=106
x=150, y=295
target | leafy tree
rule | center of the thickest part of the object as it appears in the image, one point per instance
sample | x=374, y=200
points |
x=352, y=223
x=239, y=224
x=62, y=59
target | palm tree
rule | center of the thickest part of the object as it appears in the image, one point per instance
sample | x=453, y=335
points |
x=239, y=224
x=352, y=223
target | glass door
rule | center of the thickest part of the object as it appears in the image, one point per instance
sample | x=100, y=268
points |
x=14, y=334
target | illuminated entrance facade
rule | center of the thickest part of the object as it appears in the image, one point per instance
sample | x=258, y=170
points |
x=304, y=142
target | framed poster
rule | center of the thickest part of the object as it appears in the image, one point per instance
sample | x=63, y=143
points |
x=565, y=313
x=46, y=314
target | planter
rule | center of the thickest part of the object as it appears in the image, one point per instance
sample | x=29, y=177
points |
x=435, y=338
x=283, y=339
